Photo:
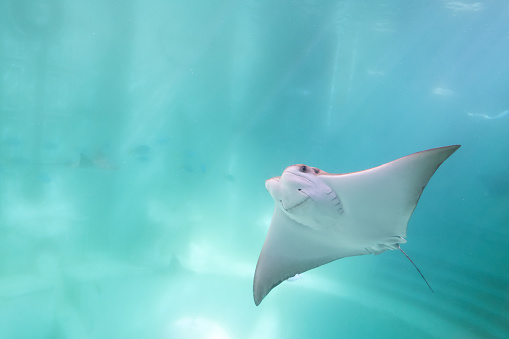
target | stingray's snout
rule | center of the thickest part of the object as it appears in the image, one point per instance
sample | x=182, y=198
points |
x=271, y=183
x=287, y=190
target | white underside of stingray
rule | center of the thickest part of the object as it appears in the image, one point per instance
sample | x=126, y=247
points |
x=320, y=217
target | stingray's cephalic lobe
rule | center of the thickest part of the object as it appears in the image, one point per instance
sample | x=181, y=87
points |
x=320, y=217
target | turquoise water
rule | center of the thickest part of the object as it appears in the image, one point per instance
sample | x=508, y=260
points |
x=136, y=137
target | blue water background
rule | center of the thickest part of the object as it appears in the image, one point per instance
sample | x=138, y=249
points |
x=136, y=136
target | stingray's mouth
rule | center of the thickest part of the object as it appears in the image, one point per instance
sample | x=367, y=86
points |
x=297, y=204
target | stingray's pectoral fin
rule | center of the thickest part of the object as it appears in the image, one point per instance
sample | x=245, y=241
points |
x=387, y=195
x=292, y=248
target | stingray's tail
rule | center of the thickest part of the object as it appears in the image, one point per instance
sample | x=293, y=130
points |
x=417, y=268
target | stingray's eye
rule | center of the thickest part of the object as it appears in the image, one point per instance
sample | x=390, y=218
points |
x=316, y=170
x=303, y=168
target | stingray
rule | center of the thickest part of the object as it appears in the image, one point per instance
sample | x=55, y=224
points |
x=320, y=217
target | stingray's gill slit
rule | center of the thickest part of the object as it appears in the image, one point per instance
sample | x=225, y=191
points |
x=417, y=268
